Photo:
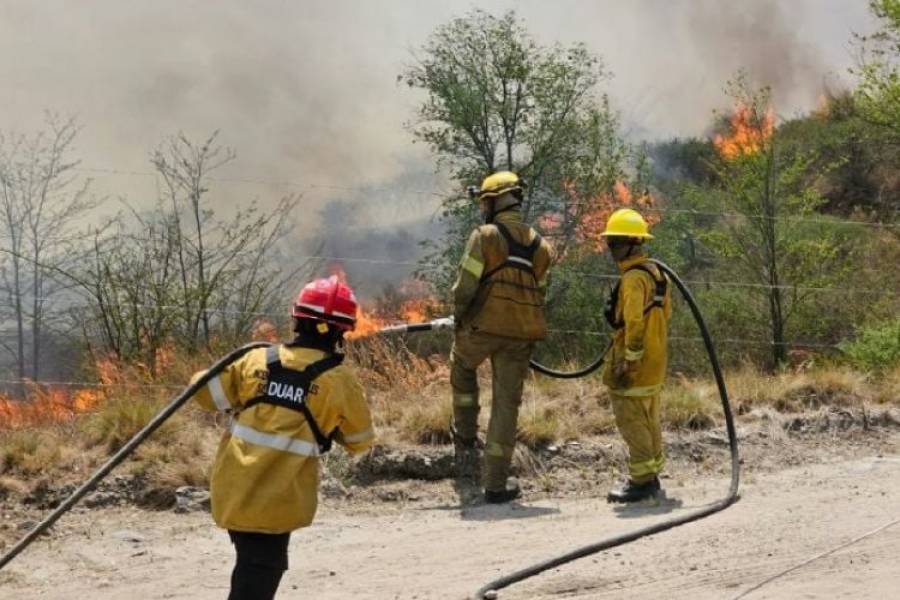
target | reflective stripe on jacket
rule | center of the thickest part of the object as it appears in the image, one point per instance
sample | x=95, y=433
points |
x=643, y=340
x=266, y=474
x=510, y=302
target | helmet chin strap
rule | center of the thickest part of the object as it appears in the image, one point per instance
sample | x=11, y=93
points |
x=492, y=213
x=632, y=245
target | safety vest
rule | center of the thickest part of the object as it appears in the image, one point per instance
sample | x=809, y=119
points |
x=659, y=295
x=289, y=388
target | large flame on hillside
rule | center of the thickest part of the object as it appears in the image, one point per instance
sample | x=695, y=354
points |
x=750, y=129
x=413, y=303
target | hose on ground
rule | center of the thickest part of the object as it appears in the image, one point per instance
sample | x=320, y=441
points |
x=489, y=590
x=126, y=450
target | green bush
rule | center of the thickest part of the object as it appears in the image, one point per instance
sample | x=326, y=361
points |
x=876, y=348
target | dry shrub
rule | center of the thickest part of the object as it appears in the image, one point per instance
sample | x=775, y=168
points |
x=426, y=422
x=556, y=411
x=171, y=465
x=539, y=429
x=121, y=418
x=793, y=392
x=36, y=451
x=384, y=362
x=12, y=486
x=749, y=388
x=888, y=388
x=839, y=387
x=409, y=395
x=688, y=407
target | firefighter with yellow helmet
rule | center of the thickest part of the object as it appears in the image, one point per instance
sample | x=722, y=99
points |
x=287, y=403
x=499, y=313
x=639, y=311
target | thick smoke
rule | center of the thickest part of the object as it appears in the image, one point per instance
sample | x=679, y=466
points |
x=306, y=92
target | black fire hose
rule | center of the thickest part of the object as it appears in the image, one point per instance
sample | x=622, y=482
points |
x=489, y=590
x=583, y=372
x=127, y=449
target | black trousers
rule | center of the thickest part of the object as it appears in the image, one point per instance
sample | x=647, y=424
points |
x=262, y=558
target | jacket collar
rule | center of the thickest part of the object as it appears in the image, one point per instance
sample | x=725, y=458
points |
x=509, y=216
x=632, y=261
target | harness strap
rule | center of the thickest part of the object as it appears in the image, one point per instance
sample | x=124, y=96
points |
x=301, y=381
x=519, y=256
x=659, y=296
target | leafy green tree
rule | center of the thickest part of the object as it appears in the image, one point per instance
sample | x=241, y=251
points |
x=769, y=234
x=879, y=87
x=495, y=99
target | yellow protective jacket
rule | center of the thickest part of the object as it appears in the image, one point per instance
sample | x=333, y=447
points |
x=266, y=474
x=643, y=339
x=510, y=301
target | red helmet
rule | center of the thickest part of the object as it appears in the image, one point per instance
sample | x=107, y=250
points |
x=327, y=300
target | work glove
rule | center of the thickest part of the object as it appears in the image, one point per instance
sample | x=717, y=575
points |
x=623, y=373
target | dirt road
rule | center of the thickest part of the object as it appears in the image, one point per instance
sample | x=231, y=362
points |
x=429, y=550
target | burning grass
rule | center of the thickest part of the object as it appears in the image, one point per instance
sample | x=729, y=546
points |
x=409, y=393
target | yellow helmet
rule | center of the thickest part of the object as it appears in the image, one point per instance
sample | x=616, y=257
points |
x=499, y=183
x=627, y=222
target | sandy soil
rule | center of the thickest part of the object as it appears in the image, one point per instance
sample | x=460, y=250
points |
x=433, y=548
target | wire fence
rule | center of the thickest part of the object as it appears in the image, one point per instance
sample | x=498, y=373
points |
x=87, y=384
x=886, y=292
x=306, y=186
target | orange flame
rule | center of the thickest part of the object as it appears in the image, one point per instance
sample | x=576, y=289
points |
x=417, y=306
x=590, y=215
x=749, y=132
x=412, y=310
x=47, y=405
x=366, y=324
x=264, y=330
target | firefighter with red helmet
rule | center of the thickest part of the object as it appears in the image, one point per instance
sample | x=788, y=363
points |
x=288, y=403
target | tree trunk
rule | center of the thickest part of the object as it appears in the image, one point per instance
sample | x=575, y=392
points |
x=776, y=313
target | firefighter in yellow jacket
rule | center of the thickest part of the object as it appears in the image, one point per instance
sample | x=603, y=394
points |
x=498, y=308
x=639, y=311
x=287, y=403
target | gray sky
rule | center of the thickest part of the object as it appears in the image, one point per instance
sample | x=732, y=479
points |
x=306, y=92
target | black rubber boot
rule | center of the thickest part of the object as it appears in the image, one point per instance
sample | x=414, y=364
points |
x=507, y=494
x=634, y=492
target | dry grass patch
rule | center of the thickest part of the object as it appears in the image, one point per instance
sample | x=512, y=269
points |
x=183, y=457
x=795, y=392
x=888, y=388
x=426, y=421
x=118, y=420
x=556, y=411
x=386, y=363
x=30, y=452
x=686, y=406
x=540, y=428
x=839, y=387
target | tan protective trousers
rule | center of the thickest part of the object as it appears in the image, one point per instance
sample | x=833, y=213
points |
x=637, y=418
x=509, y=367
